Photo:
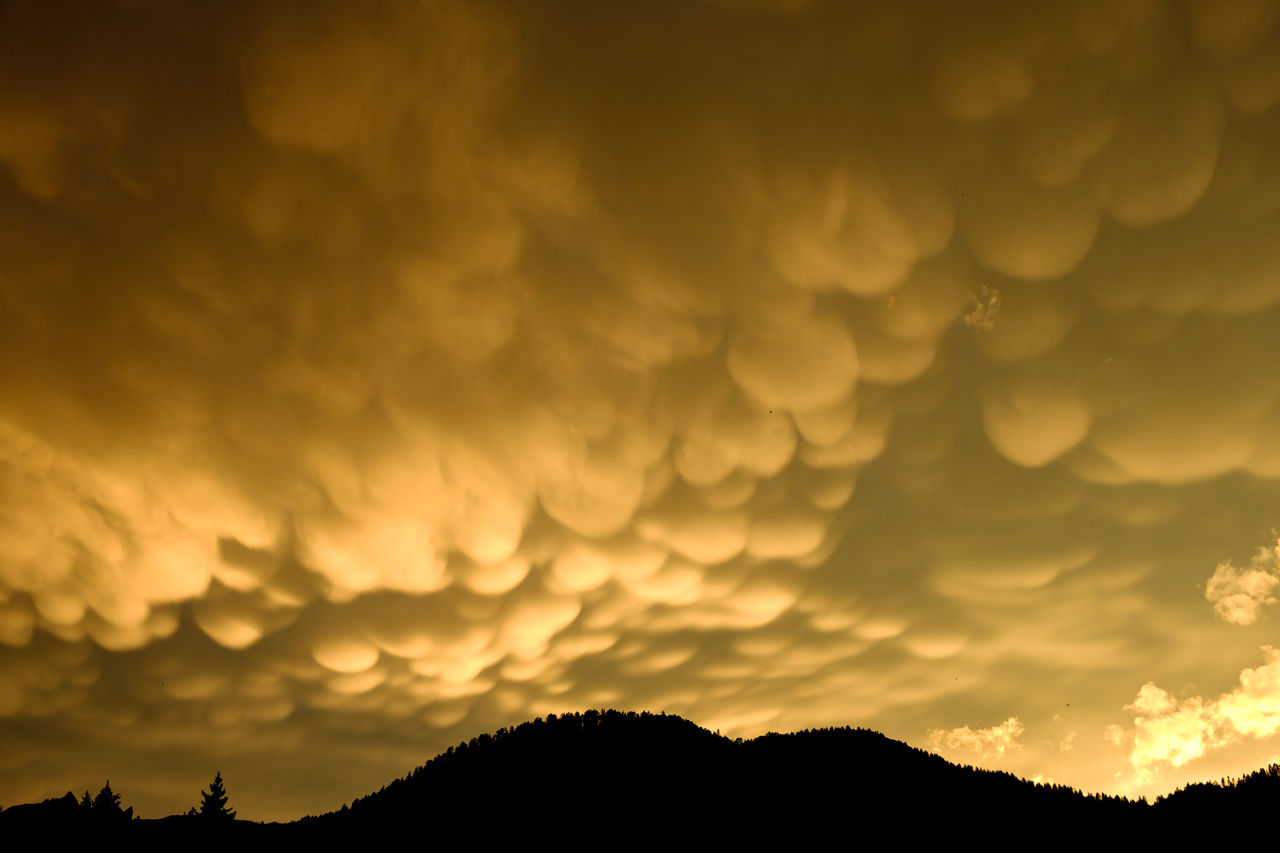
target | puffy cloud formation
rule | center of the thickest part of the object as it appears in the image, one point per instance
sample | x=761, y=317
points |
x=1238, y=595
x=987, y=744
x=375, y=374
x=1168, y=732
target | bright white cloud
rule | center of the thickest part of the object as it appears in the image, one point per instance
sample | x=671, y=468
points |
x=1169, y=732
x=1239, y=594
x=987, y=744
x=1068, y=742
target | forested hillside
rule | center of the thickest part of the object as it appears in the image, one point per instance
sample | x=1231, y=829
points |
x=637, y=780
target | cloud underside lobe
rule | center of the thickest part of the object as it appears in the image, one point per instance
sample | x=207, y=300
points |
x=420, y=367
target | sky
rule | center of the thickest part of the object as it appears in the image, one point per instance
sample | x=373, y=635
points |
x=374, y=375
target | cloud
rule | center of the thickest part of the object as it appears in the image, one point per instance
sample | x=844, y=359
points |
x=987, y=744
x=1168, y=732
x=1239, y=594
x=1068, y=742
x=1031, y=424
x=984, y=307
x=377, y=375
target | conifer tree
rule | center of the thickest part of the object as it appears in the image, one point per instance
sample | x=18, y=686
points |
x=214, y=802
x=107, y=799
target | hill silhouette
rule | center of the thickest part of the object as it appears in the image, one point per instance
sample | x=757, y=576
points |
x=638, y=780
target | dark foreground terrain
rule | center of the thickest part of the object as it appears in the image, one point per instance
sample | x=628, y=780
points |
x=612, y=780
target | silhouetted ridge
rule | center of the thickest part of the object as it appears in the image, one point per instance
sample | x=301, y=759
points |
x=664, y=777
x=608, y=779
x=591, y=766
x=1229, y=805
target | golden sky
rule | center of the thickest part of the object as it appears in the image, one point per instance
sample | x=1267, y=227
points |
x=373, y=375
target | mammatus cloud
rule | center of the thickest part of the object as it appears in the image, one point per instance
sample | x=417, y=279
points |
x=378, y=373
x=1169, y=732
x=1239, y=594
x=987, y=744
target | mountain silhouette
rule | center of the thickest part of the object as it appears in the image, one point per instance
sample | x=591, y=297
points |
x=625, y=780
x=619, y=779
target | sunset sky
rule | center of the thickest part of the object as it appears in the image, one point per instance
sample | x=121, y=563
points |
x=377, y=374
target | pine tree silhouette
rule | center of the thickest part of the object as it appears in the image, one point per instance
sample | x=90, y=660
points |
x=214, y=802
x=107, y=799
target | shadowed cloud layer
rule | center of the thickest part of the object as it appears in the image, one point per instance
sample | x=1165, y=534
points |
x=377, y=374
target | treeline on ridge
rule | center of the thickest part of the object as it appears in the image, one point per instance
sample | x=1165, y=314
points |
x=629, y=780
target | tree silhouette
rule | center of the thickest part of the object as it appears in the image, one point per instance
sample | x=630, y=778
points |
x=107, y=799
x=214, y=803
